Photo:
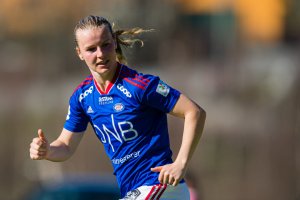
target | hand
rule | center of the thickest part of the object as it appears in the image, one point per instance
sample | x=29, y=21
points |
x=170, y=174
x=39, y=147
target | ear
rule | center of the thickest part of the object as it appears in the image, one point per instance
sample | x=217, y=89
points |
x=116, y=45
x=79, y=53
x=115, y=41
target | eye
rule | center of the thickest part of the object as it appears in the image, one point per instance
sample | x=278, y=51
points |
x=106, y=44
x=91, y=49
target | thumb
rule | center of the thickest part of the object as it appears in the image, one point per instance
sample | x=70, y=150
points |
x=41, y=135
x=156, y=169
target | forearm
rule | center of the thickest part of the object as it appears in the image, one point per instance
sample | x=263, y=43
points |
x=58, y=151
x=193, y=128
x=64, y=146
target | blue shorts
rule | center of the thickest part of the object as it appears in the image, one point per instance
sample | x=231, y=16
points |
x=159, y=191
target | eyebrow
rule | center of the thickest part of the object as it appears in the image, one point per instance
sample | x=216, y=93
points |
x=89, y=46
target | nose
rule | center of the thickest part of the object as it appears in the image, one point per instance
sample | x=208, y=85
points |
x=100, y=52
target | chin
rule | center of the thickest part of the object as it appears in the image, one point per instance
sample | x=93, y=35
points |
x=102, y=71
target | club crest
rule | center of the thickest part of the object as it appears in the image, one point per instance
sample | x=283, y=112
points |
x=118, y=107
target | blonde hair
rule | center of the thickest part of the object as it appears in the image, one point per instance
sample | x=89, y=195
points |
x=124, y=38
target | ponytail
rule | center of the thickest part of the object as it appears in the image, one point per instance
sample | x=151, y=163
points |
x=127, y=38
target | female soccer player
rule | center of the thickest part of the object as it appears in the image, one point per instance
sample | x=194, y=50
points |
x=128, y=112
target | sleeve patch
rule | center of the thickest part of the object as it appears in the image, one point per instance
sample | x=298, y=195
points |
x=163, y=88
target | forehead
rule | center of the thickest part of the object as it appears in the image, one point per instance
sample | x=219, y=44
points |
x=91, y=33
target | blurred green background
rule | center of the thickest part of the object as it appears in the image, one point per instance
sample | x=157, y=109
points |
x=238, y=59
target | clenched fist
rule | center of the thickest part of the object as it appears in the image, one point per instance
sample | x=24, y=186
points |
x=39, y=147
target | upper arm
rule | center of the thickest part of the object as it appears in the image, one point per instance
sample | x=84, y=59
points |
x=184, y=105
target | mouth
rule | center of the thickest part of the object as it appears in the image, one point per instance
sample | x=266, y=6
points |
x=102, y=63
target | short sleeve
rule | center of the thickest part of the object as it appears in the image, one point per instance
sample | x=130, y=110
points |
x=160, y=95
x=76, y=120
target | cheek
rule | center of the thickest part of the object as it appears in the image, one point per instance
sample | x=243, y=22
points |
x=88, y=57
x=111, y=49
x=113, y=52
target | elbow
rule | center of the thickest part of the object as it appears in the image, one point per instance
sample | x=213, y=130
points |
x=203, y=113
x=200, y=113
x=200, y=118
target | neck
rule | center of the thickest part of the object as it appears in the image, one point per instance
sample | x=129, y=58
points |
x=103, y=80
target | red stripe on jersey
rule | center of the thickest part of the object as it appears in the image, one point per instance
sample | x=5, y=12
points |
x=85, y=82
x=142, y=78
x=140, y=81
x=89, y=78
x=134, y=79
x=135, y=84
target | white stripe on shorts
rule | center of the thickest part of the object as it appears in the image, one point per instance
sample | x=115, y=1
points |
x=159, y=192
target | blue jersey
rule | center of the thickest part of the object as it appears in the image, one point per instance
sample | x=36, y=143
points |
x=130, y=119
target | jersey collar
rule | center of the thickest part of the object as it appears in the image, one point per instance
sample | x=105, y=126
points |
x=111, y=83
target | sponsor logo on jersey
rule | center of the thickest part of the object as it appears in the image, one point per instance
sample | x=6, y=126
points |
x=90, y=110
x=163, y=88
x=118, y=107
x=127, y=157
x=114, y=137
x=86, y=93
x=124, y=90
x=105, y=100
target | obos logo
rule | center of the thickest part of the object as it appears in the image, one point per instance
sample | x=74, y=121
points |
x=124, y=90
x=85, y=93
x=118, y=107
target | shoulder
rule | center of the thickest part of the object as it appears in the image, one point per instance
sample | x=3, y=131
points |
x=134, y=79
x=84, y=88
